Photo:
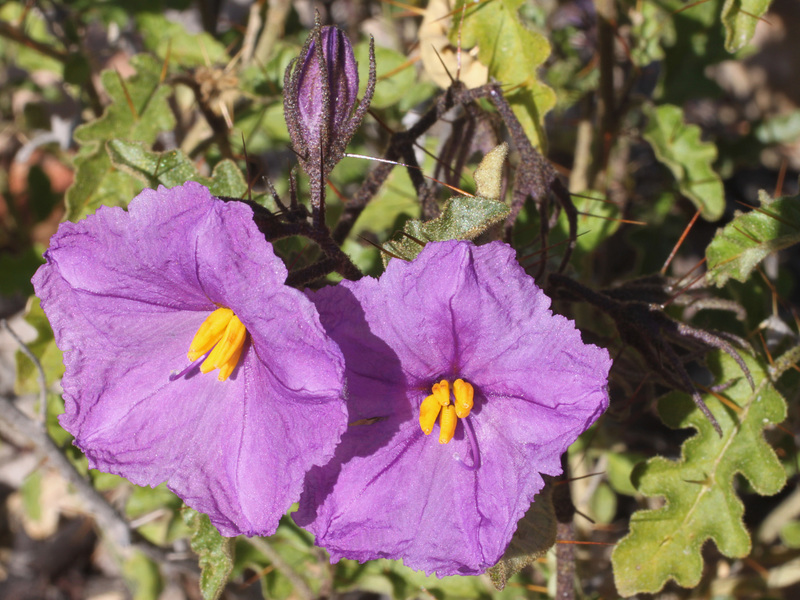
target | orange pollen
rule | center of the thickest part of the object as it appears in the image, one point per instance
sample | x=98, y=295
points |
x=224, y=335
x=438, y=405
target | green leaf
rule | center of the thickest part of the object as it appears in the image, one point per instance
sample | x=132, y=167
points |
x=462, y=218
x=513, y=55
x=31, y=491
x=679, y=147
x=214, y=551
x=781, y=129
x=740, y=18
x=747, y=240
x=139, y=111
x=173, y=168
x=598, y=220
x=651, y=27
x=535, y=535
x=396, y=200
x=603, y=505
x=396, y=75
x=165, y=37
x=142, y=577
x=701, y=503
x=620, y=466
x=34, y=27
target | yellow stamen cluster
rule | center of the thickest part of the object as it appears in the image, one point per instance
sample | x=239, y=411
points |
x=223, y=331
x=438, y=405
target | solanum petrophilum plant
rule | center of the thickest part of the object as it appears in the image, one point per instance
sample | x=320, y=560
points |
x=188, y=360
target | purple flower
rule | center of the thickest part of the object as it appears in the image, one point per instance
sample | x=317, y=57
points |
x=131, y=294
x=467, y=318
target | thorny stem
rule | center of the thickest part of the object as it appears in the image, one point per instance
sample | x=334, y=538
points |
x=565, y=553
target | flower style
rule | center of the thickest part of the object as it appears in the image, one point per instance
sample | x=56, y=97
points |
x=524, y=386
x=145, y=304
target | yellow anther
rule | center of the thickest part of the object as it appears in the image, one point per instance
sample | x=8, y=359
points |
x=226, y=353
x=464, y=393
x=210, y=332
x=438, y=405
x=224, y=332
x=229, y=365
x=441, y=391
x=428, y=411
x=447, y=424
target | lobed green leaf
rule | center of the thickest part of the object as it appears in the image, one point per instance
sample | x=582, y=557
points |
x=679, y=147
x=700, y=501
x=747, y=240
x=139, y=111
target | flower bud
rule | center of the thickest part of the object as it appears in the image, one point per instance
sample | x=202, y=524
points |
x=326, y=98
x=319, y=101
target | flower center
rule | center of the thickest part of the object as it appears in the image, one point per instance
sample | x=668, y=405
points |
x=438, y=405
x=223, y=331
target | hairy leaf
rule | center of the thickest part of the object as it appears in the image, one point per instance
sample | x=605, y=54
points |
x=747, y=240
x=462, y=218
x=679, y=147
x=513, y=54
x=138, y=112
x=173, y=168
x=214, y=551
x=701, y=503
x=535, y=535
x=740, y=18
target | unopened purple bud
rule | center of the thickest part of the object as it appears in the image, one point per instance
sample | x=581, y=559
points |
x=341, y=87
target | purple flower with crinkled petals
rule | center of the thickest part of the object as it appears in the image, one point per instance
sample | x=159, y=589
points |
x=463, y=388
x=187, y=358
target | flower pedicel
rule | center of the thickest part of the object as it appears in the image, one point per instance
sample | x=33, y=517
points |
x=463, y=388
x=187, y=358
